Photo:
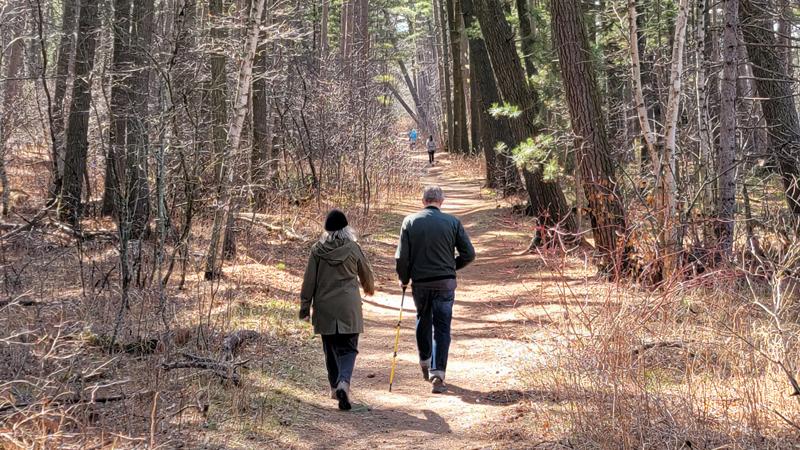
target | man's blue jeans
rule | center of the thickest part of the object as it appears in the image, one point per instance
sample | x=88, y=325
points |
x=434, y=314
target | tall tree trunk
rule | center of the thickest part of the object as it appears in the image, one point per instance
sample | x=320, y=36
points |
x=703, y=117
x=261, y=125
x=593, y=150
x=775, y=87
x=78, y=124
x=234, y=135
x=64, y=63
x=219, y=119
x=527, y=38
x=501, y=171
x=667, y=172
x=121, y=95
x=474, y=113
x=13, y=40
x=138, y=144
x=445, y=74
x=362, y=37
x=638, y=89
x=547, y=200
x=726, y=157
x=219, y=86
x=460, y=133
x=324, y=42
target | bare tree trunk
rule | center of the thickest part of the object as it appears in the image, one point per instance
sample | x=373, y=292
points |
x=243, y=86
x=667, y=171
x=460, y=133
x=445, y=74
x=703, y=118
x=219, y=120
x=593, y=150
x=527, y=38
x=120, y=108
x=726, y=156
x=323, y=37
x=64, y=64
x=495, y=137
x=547, y=201
x=10, y=83
x=138, y=143
x=78, y=125
x=262, y=134
x=775, y=87
x=636, y=74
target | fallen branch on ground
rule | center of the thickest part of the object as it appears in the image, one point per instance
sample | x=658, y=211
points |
x=253, y=219
x=225, y=371
x=28, y=226
x=138, y=347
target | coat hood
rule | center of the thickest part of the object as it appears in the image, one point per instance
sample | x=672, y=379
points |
x=334, y=252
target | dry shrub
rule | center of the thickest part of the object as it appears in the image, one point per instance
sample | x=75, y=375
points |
x=695, y=365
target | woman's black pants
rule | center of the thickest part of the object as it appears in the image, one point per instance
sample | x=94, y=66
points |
x=340, y=356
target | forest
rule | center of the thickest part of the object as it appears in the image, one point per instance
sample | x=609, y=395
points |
x=628, y=171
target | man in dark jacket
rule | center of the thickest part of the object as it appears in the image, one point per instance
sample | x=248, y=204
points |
x=426, y=256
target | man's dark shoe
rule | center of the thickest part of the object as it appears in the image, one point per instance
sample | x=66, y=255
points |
x=425, y=374
x=438, y=386
x=343, y=394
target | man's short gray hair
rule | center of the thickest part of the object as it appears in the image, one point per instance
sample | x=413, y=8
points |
x=433, y=194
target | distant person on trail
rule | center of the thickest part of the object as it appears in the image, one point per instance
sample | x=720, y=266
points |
x=431, y=149
x=412, y=137
x=425, y=256
x=330, y=288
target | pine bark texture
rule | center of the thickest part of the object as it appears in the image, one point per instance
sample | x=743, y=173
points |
x=501, y=171
x=121, y=92
x=547, y=201
x=595, y=165
x=775, y=88
x=460, y=133
x=445, y=74
x=78, y=124
x=527, y=39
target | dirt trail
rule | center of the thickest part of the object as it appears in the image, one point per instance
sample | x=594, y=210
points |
x=489, y=337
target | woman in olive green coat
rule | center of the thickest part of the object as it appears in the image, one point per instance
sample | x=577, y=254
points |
x=330, y=297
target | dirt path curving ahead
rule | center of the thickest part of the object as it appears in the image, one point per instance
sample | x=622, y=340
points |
x=490, y=336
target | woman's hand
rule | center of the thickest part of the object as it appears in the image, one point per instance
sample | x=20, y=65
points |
x=304, y=314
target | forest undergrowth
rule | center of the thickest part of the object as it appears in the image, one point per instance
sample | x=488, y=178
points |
x=706, y=361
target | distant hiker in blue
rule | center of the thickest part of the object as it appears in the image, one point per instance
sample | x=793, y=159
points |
x=426, y=257
x=412, y=137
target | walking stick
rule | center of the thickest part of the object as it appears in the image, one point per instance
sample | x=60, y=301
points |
x=397, y=340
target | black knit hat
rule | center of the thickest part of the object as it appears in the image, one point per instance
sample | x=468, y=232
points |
x=335, y=221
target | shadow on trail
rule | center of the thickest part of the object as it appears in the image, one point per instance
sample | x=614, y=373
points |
x=502, y=397
x=376, y=423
